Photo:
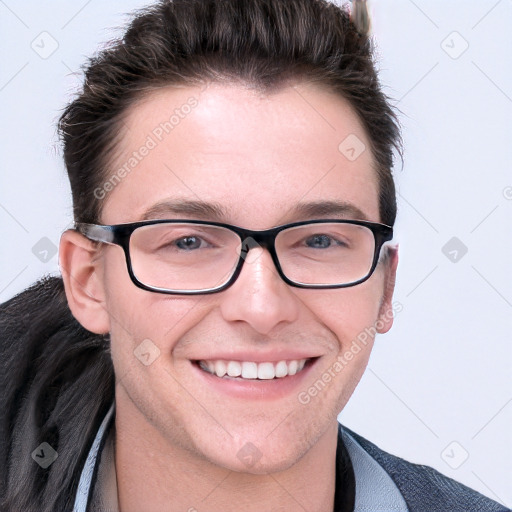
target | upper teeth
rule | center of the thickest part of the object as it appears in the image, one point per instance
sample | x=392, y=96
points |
x=252, y=370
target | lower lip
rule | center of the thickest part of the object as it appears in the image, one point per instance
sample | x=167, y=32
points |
x=265, y=389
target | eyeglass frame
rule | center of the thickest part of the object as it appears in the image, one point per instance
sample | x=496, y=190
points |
x=119, y=234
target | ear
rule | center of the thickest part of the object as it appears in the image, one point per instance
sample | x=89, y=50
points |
x=81, y=269
x=390, y=263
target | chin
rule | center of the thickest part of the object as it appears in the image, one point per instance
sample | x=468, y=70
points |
x=257, y=457
x=254, y=462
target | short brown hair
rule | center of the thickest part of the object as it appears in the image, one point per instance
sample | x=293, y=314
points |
x=263, y=43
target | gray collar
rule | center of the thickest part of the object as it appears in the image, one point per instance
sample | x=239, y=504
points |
x=374, y=488
x=102, y=495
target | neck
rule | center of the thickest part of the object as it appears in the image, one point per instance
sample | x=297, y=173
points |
x=156, y=475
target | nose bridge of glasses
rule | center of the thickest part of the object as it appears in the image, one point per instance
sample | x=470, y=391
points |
x=263, y=240
x=254, y=239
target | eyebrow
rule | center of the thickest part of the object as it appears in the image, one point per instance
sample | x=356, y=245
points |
x=328, y=209
x=192, y=208
x=217, y=212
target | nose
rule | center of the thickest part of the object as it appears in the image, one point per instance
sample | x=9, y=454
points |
x=259, y=296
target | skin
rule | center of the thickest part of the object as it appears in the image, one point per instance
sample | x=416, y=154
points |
x=176, y=439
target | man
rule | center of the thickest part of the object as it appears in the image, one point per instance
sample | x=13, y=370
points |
x=230, y=164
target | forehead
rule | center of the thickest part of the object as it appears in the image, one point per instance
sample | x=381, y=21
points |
x=256, y=155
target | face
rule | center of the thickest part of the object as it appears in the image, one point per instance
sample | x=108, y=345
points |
x=257, y=157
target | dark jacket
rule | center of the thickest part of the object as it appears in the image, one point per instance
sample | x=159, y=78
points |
x=58, y=387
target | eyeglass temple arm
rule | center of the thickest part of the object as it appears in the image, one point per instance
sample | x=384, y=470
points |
x=387, y=246
x=96, y=232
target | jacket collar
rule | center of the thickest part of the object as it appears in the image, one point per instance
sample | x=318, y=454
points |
x=97, y=488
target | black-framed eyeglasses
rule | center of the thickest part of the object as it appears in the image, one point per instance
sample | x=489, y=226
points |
x=188, y=257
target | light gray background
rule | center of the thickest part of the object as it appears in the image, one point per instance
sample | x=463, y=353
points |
x=438, y=387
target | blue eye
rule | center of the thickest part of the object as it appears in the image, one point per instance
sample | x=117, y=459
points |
x=319, y=241
x=188, y=242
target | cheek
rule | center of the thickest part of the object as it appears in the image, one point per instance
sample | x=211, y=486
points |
x=141, y=319
x=348, y=312
x=351, y=314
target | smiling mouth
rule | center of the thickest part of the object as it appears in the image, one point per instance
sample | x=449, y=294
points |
x=250, y=370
